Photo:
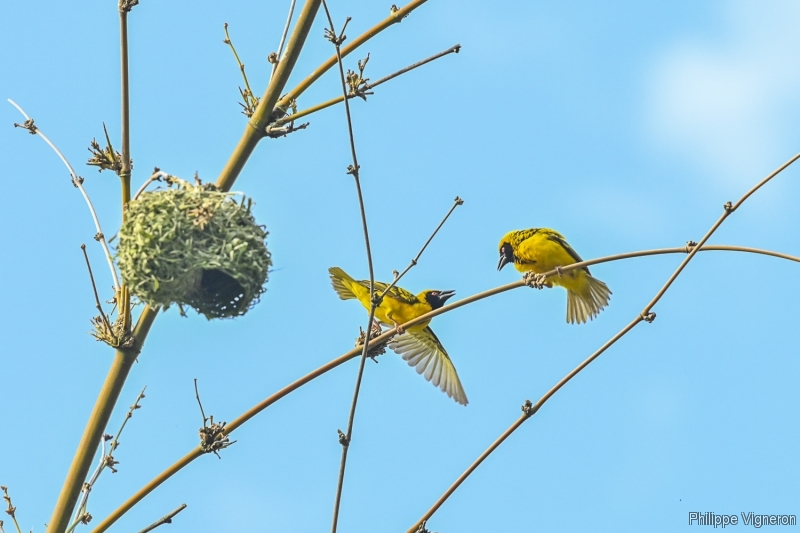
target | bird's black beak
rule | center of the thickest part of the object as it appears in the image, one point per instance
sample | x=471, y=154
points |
x=506, y=255
x=503, y=261
x=444, y=295
x=436, y=299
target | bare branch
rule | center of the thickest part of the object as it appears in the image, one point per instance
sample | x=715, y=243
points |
x=346, y=438
x=457, y=202
x=10, y=509
x=157, y=175
x=396, y=16
x=384, y=337
x=256, y=129
x=277, y=58
x=645, y=316
x=164, y=520
x=103, y=316
x=77, y=181
x=250, y=100
x=197, y=395
x=363, y=90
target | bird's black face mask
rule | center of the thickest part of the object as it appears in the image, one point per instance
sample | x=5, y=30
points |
x=506, y=256
x=437, y=298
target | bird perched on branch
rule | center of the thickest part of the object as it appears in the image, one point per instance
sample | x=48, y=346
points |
x=540, y=250
x=418, y=345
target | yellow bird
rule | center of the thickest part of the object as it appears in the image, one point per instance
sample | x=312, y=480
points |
x=418, y=345
x=540, y=250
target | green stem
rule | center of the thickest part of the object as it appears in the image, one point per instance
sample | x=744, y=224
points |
x=87, y=448
x=144, y=491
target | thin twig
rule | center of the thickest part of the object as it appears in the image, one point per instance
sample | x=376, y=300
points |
x=257, y=125
x=453, y=49
x=157, y=175
x=106, y=461
x=165, y=520
x=94, y=288
x=457, y=202
x=346, y=438
x=10, y=509
x=197, y=395
x=250, y=100
x=395, y=17
x=81, y=516
x=78, y=182
x=128, y=416
x=369, y=86
x=348, y=356
x=646, y=315
x=283, y=39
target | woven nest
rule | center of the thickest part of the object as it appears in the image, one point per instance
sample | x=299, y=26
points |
x=194, y=246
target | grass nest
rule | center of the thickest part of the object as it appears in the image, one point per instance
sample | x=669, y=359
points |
x=196, y=246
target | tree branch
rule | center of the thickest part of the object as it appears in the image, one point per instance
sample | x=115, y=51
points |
x=396, y=16
x=256, y=126
x=384, y=337
x=367, y=87
x=646, y=315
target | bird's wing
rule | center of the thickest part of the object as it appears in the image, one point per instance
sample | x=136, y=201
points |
x=423, y=351
x=560, y=240
x=400, y=294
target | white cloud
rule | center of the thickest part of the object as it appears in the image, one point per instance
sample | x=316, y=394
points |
x=731, y=103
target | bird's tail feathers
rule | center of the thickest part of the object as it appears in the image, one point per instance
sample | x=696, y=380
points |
x=339, y=280
x=585, y=305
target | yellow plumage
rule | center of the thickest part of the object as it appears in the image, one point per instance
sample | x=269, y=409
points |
x=540, y=250
x=418, y=345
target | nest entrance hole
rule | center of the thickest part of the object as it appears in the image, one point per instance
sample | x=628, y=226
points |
x=221, y=291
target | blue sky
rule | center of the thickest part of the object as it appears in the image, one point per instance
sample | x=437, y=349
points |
x=625, y=126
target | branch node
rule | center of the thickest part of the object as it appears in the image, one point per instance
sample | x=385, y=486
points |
x=458, y=199
x=534, y=280
x=422, y=528
x=394, y=9
x=332, y=37
x=374, y=349
x=529, y=409
x=275, y=132
x=109, y=462
x=273, y=58
x=689, y=246
x=27, y=125
x=648, y=317
x=213, y=437
x=105, y=158
x=357, y=83
x=343, y=440
x=353, y=170
x=728, y=207
x=125, y=6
